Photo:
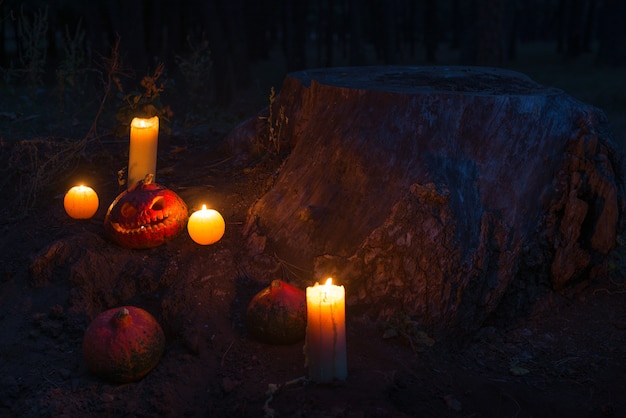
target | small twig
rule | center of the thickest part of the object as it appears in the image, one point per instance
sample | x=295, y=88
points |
x=49, y=381
x=207, y=186
x=113, y=68
x=519, y=408
x=608, y=292
x=226, y=352
x=273, y=390
x=564, y=360
x=289, y=267
x=218, y=163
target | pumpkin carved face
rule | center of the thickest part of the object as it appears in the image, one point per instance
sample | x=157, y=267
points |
x=145, y=216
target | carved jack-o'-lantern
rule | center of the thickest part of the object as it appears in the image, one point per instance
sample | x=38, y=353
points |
x=145, y=216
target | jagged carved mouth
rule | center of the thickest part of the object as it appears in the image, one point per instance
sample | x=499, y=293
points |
x=145, y=216
x=151, y=220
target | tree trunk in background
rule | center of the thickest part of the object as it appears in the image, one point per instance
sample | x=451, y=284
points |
x=127, y=19
x=590, y=20
x=457, y=25
x=385, y=31
x=431, y=30
x=486, y=32
x=329, y=32
x=356, y=42
x=490, y=33
x=446, y=193
x=612, y=33
x=481, y=32
x=231, y=66
x=574, y=26
x=3, y=30
x=574, y=18
x=294, y=34
x=257, y=20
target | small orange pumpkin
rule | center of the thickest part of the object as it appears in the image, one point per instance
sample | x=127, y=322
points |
x=277, y=314
x=123, y=345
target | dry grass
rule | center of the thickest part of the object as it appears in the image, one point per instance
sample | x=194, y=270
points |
x=34, y=165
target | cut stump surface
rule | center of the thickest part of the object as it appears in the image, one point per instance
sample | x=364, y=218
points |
x=442, y=193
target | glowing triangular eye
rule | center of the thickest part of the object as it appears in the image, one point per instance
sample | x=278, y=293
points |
x=158, y=203
x=128, y=210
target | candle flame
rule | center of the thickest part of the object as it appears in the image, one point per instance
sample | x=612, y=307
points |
x=81, y=188
x=145, y=122
x=203, y=207
x=327, y=285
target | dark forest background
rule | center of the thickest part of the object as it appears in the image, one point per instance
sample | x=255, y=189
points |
x=42, y=37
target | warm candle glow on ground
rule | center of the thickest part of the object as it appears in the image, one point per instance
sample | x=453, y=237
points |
x=81, y=202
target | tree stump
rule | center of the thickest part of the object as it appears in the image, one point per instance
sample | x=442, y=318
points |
x=441, y=193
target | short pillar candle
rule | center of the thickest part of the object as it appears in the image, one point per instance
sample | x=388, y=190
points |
x=142, y=153
x=325, y=347
x=81, y=202
x=206, y=226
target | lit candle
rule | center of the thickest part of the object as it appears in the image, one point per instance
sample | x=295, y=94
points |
x=142, y=155
x=81, y=202
x=206, y=226
x=325, y=347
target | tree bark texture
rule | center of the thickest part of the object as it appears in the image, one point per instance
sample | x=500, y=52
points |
x=444, y=193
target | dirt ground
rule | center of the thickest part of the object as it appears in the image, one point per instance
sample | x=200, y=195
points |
x=566, y=359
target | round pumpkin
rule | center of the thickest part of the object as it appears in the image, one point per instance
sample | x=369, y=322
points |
x=145, y=216
x=277, y=314
x=123, y=344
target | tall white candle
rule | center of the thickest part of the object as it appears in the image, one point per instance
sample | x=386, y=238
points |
x=325, y=346
x=142, y=155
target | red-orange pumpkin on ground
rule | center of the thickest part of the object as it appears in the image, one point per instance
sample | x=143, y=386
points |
x=145, y=216
x=277, y=314
x=123, y=344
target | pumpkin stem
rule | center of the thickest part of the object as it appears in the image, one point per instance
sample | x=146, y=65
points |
x=121, y=318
